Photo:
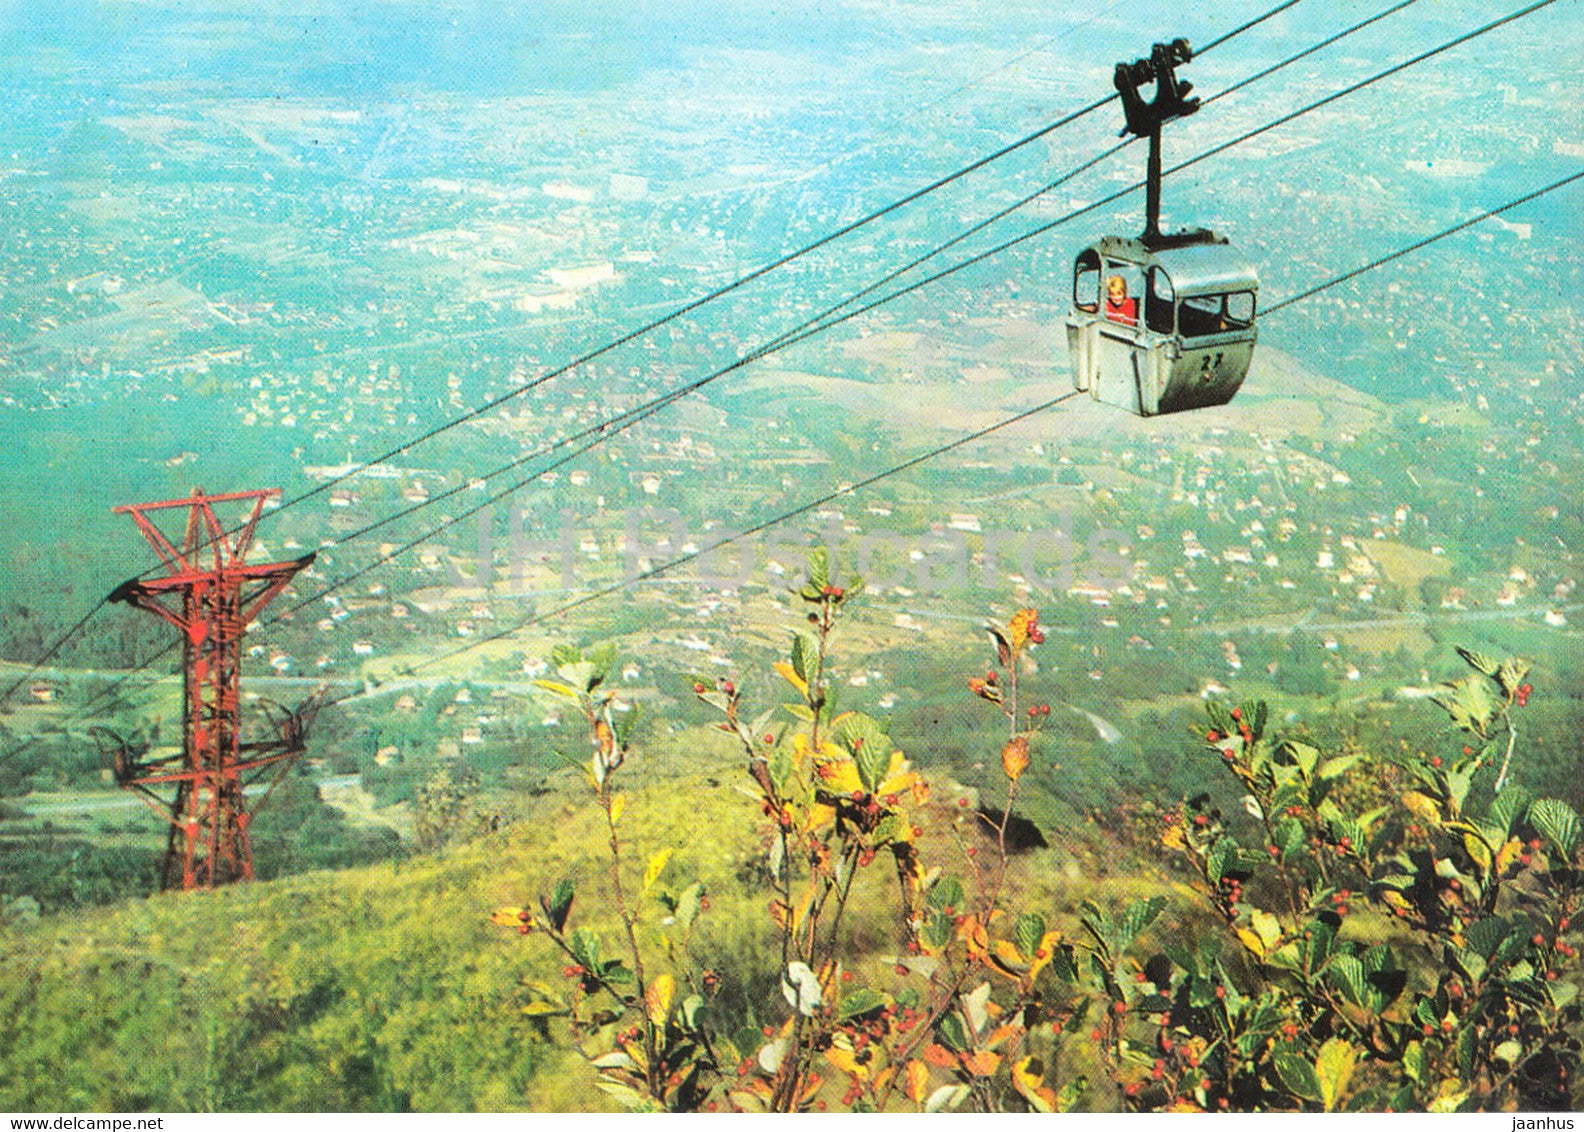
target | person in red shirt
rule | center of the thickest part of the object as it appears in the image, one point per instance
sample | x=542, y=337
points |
x=1119, y=307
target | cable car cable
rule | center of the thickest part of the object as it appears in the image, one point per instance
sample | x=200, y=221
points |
x=1413, y=247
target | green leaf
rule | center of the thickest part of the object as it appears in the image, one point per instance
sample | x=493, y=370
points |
x=780, y=763
x=689, y=903
x=1508, y=808
x=1562, y=994
x=586, y=946
x=1511, y=673
x=1347, y=974
x=952, y=1033
x=947, y=892
x=1484, y=936
x=1478, y=660
x=1027, y=933
x=1217, y=859
x=819, y=568
x=1470, y=702
x=1339, y=765
x=805, y=655
x=859, y=1001
x=561, y=655
x=603, y=658
x=869, y=746
x=1414, y=1061
x=937, y=931
x=1298, y=1075
x=1471, y=964
x=1290, y=839
x=1139, y=915
x=1306, y=756
x=584, y=674
x=558, y=904
x=1557, y=822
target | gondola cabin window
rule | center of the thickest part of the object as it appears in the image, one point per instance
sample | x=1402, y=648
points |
x=1215, y=314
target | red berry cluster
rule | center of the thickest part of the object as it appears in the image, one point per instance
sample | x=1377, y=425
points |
x=1524, y=692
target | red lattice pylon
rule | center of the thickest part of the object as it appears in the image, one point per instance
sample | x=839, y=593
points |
x=210, y=594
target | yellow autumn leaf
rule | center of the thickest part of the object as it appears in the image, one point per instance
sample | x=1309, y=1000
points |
x=618, y=805
x=1006, y=959
x=604, y=738
x=658, y=996
x=507, y=917
x=655, y=867
x=1422, y=805
x=789, y=674
x=1018, y=629
x=917, y=1080
x=973, y=934
x=1043, y=954
x=1028, y=1080
x=1267, y=927
x=898, y=777
x=983, y=1063
x=847, y=1061
x=1334, y=1066
x=1251, y=941
x=1508, y=855
x=1172, y=837
x=838, y=776
x=1015, y=757
x=818, y=815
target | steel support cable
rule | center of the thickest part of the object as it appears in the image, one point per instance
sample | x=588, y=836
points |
x=1428, y=240
x=671, y=316
x=1041, y=229
x=50, y=653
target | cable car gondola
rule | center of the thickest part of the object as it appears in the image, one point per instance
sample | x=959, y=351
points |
x=1161, y=322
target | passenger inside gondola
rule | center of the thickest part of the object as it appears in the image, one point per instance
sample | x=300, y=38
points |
x=1119, y=306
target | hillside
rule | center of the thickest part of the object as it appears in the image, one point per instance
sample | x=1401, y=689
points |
x=377, y=988
x=1365, y=929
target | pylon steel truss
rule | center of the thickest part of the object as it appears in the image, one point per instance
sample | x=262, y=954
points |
x=210, y=594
